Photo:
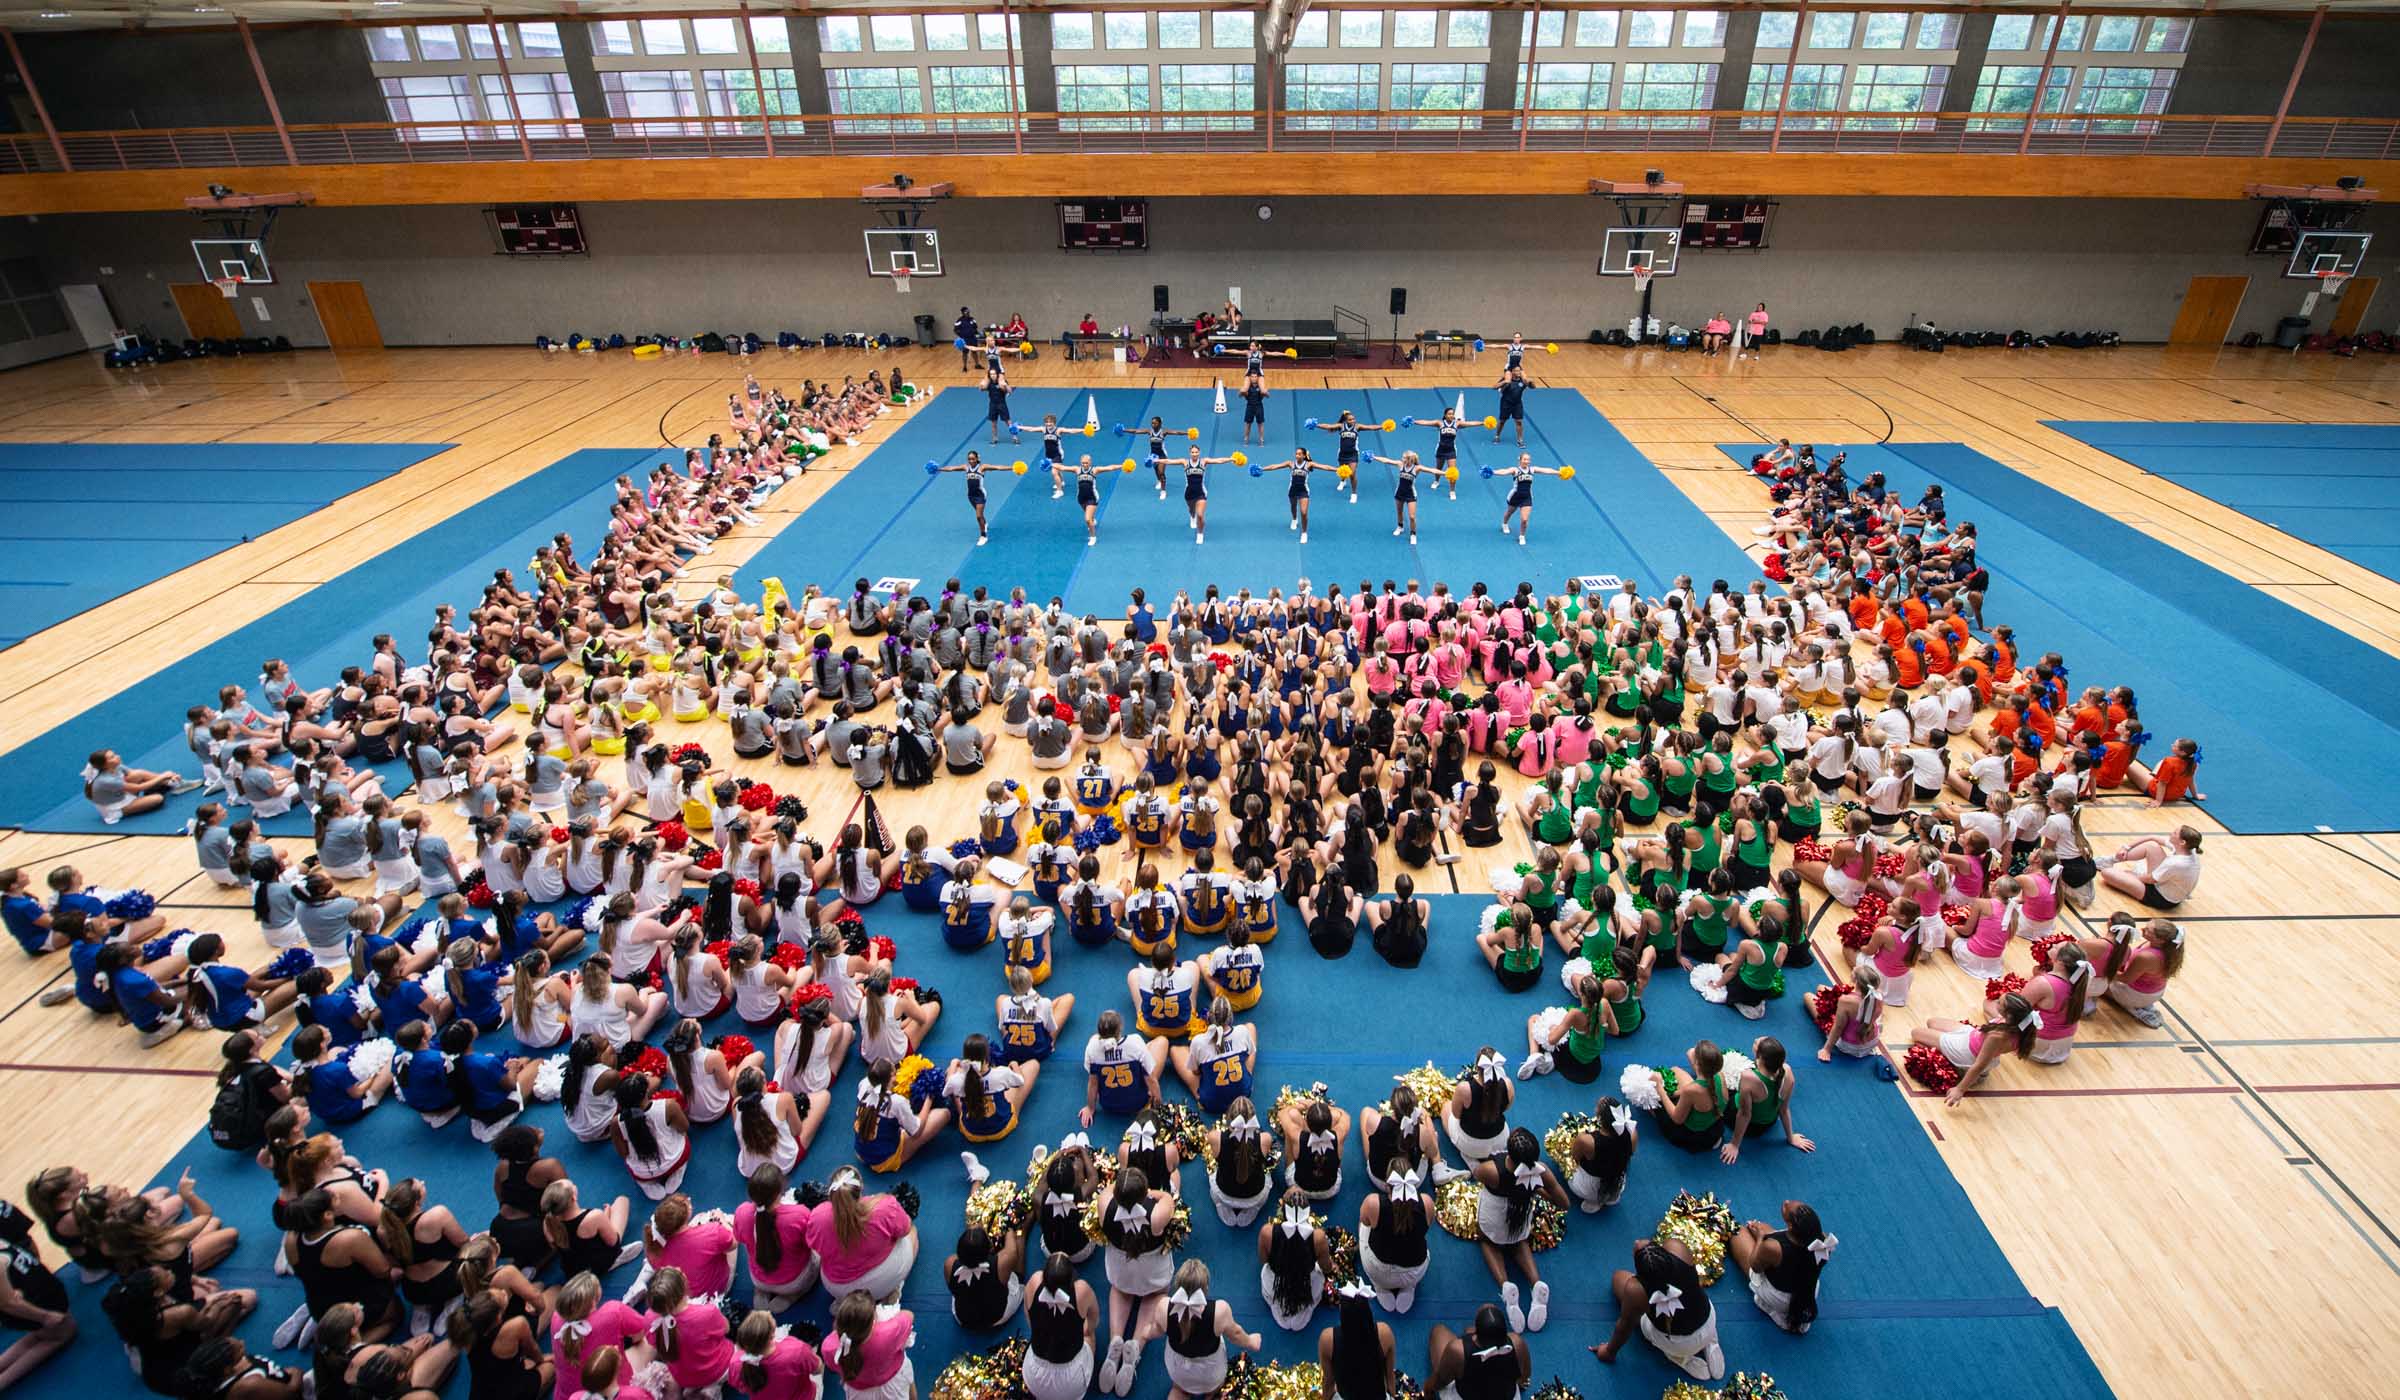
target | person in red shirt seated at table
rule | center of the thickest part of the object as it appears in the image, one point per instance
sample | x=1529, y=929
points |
x=1015, y=329
x=1087, y=326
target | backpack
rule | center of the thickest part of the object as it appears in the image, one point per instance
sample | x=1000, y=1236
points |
x=237, y=1120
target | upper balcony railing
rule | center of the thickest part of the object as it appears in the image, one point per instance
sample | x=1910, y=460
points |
x=1183, y=133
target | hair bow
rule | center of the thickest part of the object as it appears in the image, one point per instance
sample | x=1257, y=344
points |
x=841, y=1347
x=1133, y=1217
x=1404, y=1187
x=2083, y=970
x=1491, y=1065
x=971, y=1273
x=1356, y=1288
x=1141, y=1137
x=1822, y=1248
x=1408, y=1124
x=1620, y=1119
x=1056, y=1299
x=2031, y=1021
x=1493, y=1353
x=1187, y=1303
x=666, y=1327
x=2177, y=938
x=1295, y=1223
x=574, y=1330
x=1667, y=1301
x=1529, y=1176
x=1242, y=1127
x=1321, y=1142
x=1074, y=1140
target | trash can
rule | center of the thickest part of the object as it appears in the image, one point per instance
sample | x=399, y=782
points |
x=926, y=330
x=2290, y=331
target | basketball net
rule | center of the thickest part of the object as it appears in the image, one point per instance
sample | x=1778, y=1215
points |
x=228, y=287
x=900, y=276
x=1641, y=277
x=2333, y=282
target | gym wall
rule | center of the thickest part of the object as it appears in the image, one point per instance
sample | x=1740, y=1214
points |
x=1486, y=265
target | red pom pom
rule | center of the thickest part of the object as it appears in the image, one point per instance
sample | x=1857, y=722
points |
x=1812, y=849
x=807, y=992
x=1854, y=933
x=650, y=1060
x=480, y=896
x=681, y=752
x=560, y=833
x=882, y=949
x=710, y=860
x=757, y=797
x=1064, y=711
x=1824, y=1001
x=746, y=888
x=850, y=917
x=1773, y=567
x=1220, y=660
x=1931, y=1068
x=904, y=984
x=791, y=957
x=672, y=835
x=720, y=950
x=1995, y=988
x=1890, y=864
x=662, y=1094
x=1156, y=649
x=2044, y=946
x=1960, y=917
x=1113, y=702
x=736, y=1048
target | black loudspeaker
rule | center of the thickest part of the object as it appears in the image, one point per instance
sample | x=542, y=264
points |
x=1399, y=301
x=1158, y=298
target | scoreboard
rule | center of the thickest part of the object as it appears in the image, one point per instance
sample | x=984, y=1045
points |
x=1727, y=223
x=539, y=230
x=1104, y=225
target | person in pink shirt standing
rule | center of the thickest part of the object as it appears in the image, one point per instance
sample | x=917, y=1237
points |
x=772, y=1364
x=868, y=1348
x=586, y=1325
x=688, y=1334
x=1754, y=330
x=700, y=1245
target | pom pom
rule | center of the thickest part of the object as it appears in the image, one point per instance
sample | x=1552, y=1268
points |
x=550, y=1080
x=643, y=1059
x=791, y=807
x=1017, y=467
x=906, y=1192
x=791, y=957
x=1928, y=1066
x=1995, y=988
x=1705, y=1225
x=1958, y=916
x=747, y=888
x=882, y=949
x=131, y=905
x=710, y=859
x=1308, y=422
x=1489, y=420
x=167, y=944
x=671, y=834
x=1825, y=1001
x=1638, y=1087
x=289, y=963
x=966, y=849
x=1556, y=1389
x=807, y=992
x=996, y=1374
x=1559, y=1142
x=576, y=912
x=1709, y=982
x=1890, y=865
x=736, y=1048
x=560, y=834
x=682, y=754
x=1486, y=472
x=1000, y=1207
x=480, y=896
x=1566, y=473
x=2044, y=946
x=1812, y=849
x=1389, y=424
x=372, y=1057
x=1454, y=1209
x=903, y=984
x=1431, y=1086
x=757, y=797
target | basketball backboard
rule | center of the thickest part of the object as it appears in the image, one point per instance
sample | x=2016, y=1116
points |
x=917, y=249
x=2327, y=252
x=232, y=259
x=1654, y=247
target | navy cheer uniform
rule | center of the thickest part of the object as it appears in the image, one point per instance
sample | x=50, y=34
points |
x=1520, y=490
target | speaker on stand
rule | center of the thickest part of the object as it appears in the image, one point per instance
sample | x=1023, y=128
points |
x=1399, y=309
x=1158, y=298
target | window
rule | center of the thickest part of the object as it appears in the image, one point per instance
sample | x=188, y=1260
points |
x=972, y=88
x=1362, y=29
x=1884, y=31
x=1831, y=31
x=716, y=36
x=388, y=45
x=1413, y=29
x=436, y=41
x=2122, y=91
x=875, y=92
x=992, y=37
x=1310, y=32
x=662, y=36
x=649, y=94
x=1668, y=87
x=2168, y=36
x=1596, y=29
x=1551, y=30
x=1233, y=29
x=479, y=41
x=892, y=33
x=1565, y=87
x=945, y=33
x=2070, y=39
x=1816, y=87
x=612, y=36
x=1072, y=31
x=447, y=100
x=542, y=99
x=1776, y=29
x=1896, y=87
x=1125, y=31
x=2008, y=88
x=1436, y=87
x=770, y=36
x=1470, y=29
x=1938, y=32
x=1103, y=87
x=838, y=35
x=2012, y=32
x=1331, y=87
x=1649, y=29
x=2115, y=33
x=539, y=41
x=1219, y=88
x=1704, y=29
x=732, y=93
x=1179, y=29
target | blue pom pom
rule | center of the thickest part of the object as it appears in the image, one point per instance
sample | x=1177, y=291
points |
x=958, y=342
x=1308, y=422
x=1479, y=345
x=164, y=944
x=1257, y=470
x=966, y=849
x=574, y=914
x=933, y=469
x=289, y=963
x=1487, y=473
x=131, y=905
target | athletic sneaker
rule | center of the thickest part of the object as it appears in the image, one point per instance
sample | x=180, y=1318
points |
x=1395, y=532
x=1199, y=539
x=1304, y=537
x=56, y=996
x=1090, y=540
x=1516, y=1314
x=982, y=540
x=1291, y=524
x=977, y=1172
x=1412, y=539
x=1504, y=527
x=1055, y=493
x=163, y=1032
x=2148, y=1016
x=1539, y=1062
x=1538, y=1316
x=189, y=785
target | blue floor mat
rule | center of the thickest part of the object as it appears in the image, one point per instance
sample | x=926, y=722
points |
x=2205, y=653
x=1919, y=1300
x=90, y=522
x=2335, y=485
x=887, y=518
x=318, y=633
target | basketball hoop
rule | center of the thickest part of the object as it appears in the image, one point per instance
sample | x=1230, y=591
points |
x=1641, y=277
x=228, y=287
x=2333, y=282
x=900, y=276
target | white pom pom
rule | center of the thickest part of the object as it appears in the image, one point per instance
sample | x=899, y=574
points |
x=360, y=999
x=1636, y=1087
x=183, y=945
x=1506, y=882
x=371, y=1057
x=1709, y=983
x=593, y=916
x=550, y=1080
x=1737, y=1064
x=1491, y=917
x=428, y=929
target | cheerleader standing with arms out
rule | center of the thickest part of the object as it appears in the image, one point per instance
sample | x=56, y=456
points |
x=1087, y=497
x=973, y=469
x=1195, y=489
x=1296, y=496
x=1445, y=447
x=1520, y=492
x=1346, y=428
x=1404, y=492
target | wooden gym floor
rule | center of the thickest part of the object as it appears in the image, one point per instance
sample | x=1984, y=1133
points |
x=2197, y=1199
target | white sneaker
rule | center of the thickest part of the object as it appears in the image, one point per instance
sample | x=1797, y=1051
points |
x=1162, y=494
x=1538, y=1316
x=1304, y=537
x=1191, y=522
x=982, y=540
x=56, y=996
x=1516, y=1314
x=1199, y=538
x=1538, y=1062
x=1715, y=1357
x=977, y=1172
x=164, y=1032
x=287, y=1332
x=1395, y=531
x=631, y=1252
x=2103, y=862
x=283, y=1266
x=1504, y=528
x=1106, y=1383
x=1291, y=524
x=1520, y=539
x=1090, y=540
x=1412, y=539
x=1055, y=493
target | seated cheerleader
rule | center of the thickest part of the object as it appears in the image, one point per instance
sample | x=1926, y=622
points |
x=1663, y=1296
x=996, y=821
x=650, y=1134
x=1693, y=1117
x=1091, y=908
x=924, y=871
x=1023, y=931
x=1397, y=927
x=1751, y=972
x=1857, y=1025
x=1220, y=1063
x=864, y=1244
x=1507, y=1188
x=1061, y=1318
x=1236, y=971
x=1122, y=1070
x=1166, y=998
x=1783, y=1265
x=2058, y=992
x=1331, y=911
x=615, y=1011
x=1141, y=1268
x=1241, y=1174
x=891, y=1025
x=703, y=1076
x=1568, y=1038
x=2139, y=985
x=335, y=1092
x=229, y=998
x=1602, y=1152
x=1293, y=1259
x=1763, y=1100
x=967, y=908
x=1094, y=786
x=2010, y=1027
x=1061, y=1190
x=986, y=1279
x=1488, y=1359
x=1476, y=1118
x=1314, y=1129
x=1512, y=946
x=1254, y=901
x=1152, y=914
x=1050, y=860
x=1149, y=818
x=985, y=1098
x=1030, y=1023
x=890, y=1126
x=1893, y=949
x=1206, y=897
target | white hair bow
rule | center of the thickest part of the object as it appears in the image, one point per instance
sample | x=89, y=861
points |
x=1408, y=1125
x=971, y=1273
x=1242, y=1127
x=1620, y=1119
x=1133, y=1217
x=1667, y=1301
x=2082, y=970
x=2178, y=938
x=1295, y=1223
x=1063, y=1205
x=1491, y=1065
x=846, y=1176
x=666, y=1325
x=1056, y=1299
x=1404, y=1187
x=2031, y=1021
x=841, y=1347
x=1822, y=1247
x=1529, y=1176
x=1187, y=1303
x=1322, y=1142
x=1494, y=1353
x=1141, y=1137
x=574, y=1330
x=1356, y=1288
x=867, y=1092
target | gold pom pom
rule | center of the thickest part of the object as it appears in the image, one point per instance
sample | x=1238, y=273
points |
x=1454, y=1209
x=996, y=1374
x=1704, y=1225
x=999, y=1208
x=1431, y=1086
x=1559, y=1142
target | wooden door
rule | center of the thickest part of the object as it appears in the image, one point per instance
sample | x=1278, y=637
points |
x=2209, y=305
x=2352, y=313
x=207, y=312
x=343, y=311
